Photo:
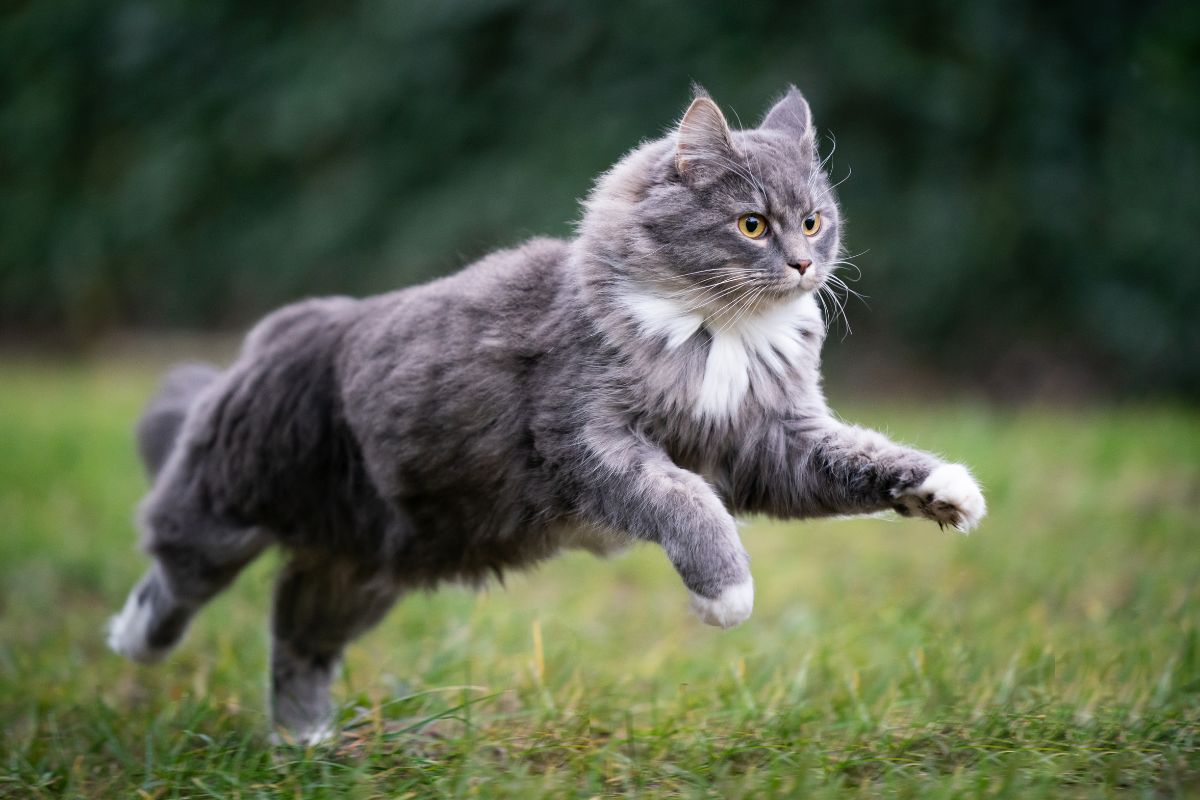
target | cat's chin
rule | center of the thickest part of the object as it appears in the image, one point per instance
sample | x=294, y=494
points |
x=786, y=293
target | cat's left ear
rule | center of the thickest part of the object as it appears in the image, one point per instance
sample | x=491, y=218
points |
x=791, y=115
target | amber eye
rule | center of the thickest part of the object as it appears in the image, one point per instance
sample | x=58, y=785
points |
x=753, y=226
x=812, y=224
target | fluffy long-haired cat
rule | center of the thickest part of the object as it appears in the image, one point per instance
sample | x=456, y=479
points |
x=644, y=381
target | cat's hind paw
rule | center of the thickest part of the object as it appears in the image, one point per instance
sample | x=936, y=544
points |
x=317, y=735
x=128, y=633
x=948, y=496
x=731, y=607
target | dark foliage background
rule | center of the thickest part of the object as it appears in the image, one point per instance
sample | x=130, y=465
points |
x=1026, y=176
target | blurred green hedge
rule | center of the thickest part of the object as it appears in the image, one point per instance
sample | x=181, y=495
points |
x=1026, y=176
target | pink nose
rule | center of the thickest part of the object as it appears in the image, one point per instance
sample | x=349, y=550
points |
x=802, y=265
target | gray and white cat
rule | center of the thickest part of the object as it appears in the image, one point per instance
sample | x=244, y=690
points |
x=644, y=381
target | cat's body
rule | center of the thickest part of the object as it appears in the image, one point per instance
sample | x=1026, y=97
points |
x=640, y=382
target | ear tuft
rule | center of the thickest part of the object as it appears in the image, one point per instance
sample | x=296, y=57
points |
x=791, y=115
x=702, y=141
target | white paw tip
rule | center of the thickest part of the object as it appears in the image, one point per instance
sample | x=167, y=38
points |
x=731, y=607
x=949, y=495
x=307, y=737
x=127, y=632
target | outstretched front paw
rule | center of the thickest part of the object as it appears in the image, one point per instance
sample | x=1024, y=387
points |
x=949, y=496
x=731, y=607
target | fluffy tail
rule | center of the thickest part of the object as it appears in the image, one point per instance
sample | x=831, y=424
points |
x=164, y=414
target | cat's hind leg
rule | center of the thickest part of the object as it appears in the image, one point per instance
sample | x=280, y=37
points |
x=195, y=555
x=320, y=605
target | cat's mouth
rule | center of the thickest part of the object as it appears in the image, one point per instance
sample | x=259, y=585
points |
x=807, y=278
x=813, y=280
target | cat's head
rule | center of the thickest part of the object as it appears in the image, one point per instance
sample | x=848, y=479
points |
x=719, y=220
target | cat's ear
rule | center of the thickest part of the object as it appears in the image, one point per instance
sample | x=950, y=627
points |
x=791, y=115
x=703, y=144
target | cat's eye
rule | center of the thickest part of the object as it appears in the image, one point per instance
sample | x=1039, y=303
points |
x=811, y=224
x=752, y=226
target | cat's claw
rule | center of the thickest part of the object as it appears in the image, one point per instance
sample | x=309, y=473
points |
x=948, y=496
x=731, y=607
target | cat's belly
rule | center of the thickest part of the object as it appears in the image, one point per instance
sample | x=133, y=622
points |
x=596, y=539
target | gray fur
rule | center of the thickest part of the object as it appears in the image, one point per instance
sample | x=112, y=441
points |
x=481, y=422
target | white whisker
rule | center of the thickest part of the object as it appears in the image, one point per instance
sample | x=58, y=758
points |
x=746, y=307
x=829, y=190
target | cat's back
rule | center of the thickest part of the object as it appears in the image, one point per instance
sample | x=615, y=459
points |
x=497, y=298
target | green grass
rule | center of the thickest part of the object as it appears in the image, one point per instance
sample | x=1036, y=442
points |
x=1054, y=653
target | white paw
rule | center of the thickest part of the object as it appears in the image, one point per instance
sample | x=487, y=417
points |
x=731, y=607
x=128, y=631
x=315, y=736
x=949, y=496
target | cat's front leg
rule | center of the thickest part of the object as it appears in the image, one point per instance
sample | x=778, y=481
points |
x=915, y=482
x=819, y=466
x=634, y=488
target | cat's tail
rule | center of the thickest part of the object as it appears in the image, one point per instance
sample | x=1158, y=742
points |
x=164, y=414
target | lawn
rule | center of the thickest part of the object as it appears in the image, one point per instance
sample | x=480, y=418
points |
x=1053, y=653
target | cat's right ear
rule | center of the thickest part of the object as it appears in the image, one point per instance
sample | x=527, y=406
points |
x=792, y=116
x=703, y=144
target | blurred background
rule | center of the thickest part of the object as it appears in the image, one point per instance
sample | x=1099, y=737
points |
x=1025, y=178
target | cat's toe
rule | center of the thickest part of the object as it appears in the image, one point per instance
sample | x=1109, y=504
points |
x=731, y=607
x=950, y=496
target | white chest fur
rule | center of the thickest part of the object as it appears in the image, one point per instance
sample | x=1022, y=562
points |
x=742, y=351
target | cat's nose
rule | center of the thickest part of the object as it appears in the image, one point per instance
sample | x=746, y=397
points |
x=802, y=265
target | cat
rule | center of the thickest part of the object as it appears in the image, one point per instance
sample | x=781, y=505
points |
x=644, y=381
